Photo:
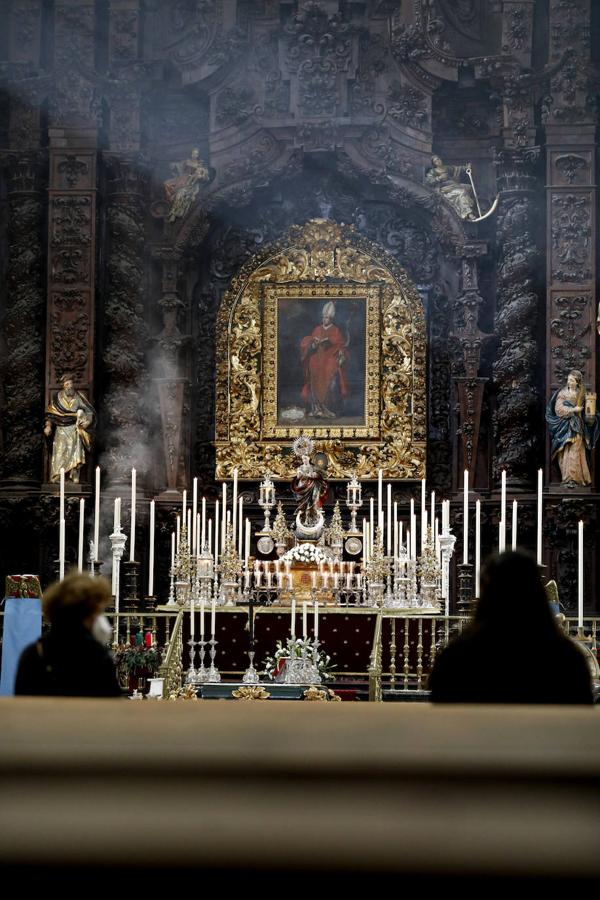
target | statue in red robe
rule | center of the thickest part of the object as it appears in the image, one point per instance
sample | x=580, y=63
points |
x=324, y=355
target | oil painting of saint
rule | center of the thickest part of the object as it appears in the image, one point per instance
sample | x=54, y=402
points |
x=321, y=362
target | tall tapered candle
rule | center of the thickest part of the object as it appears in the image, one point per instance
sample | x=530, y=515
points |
x=371, y=522
x=132, y=528
x=217, y=530
x=213, y=614
x=395, y=528
x=423, y=513
x=293, y=617
x=234, y=500
x=413, y=530
x=151, y=550
x=465, y=517
x=223, y=518
x=61, y=514
x=389, y=521
x=513, y=530
x=116, y=514
x=189, y=526
x=203, y=531
x=379, y=492
x=183, y=506
x=209, y=539
x=194, y=537
x=432, y=519
x=316, y=621
x=580, y=575
x=305, y=620
x=178, y=529
x=80, y=545
x=247, y=543
x=192, y=615
x=365, y=542
x=97, y=515
x=477, y=545
x=240, y=527
x=61, y=549
x=540, y=488
x=172, y=549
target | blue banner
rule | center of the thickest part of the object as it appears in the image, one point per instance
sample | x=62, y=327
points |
x=22, y=626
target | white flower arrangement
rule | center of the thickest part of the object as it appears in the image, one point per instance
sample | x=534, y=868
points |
x=273, y=665
x=305, y=553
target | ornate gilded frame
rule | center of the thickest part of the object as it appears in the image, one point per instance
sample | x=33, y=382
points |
x=332, y=261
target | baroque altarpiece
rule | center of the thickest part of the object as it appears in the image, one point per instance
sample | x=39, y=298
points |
x=187, y=185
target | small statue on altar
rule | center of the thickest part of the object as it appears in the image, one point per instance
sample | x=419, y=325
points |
x=182, y=189
x=310, y=489
x=70, y=417
x=574, y=429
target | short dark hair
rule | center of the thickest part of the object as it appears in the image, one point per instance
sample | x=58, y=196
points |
x=75, y=598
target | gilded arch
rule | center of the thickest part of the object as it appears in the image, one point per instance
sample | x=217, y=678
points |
x=328, y=260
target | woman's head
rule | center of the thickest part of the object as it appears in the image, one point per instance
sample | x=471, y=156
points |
x=513, y=595
x=574, y=379
x=76, y=600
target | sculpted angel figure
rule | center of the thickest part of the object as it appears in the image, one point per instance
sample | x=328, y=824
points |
x=446, y=180
x=182, y=189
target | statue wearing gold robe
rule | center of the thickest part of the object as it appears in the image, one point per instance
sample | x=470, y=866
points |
x=69, y=418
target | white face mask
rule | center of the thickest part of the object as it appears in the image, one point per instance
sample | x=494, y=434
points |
x=102, y=629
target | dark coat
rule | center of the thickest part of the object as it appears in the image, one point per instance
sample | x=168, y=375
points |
x=67, y=663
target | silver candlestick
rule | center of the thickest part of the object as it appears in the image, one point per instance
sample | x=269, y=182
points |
x=213, y=672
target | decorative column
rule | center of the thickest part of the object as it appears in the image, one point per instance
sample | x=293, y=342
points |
x=23, y=314
x=23, y=325
x=73, y=136
x=570, y=120
x=469, y=387
x=124, y=415
x=171, y=386
x=518, y=417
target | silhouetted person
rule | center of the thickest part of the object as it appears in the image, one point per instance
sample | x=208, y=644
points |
x=513, y=651
x=72, y=659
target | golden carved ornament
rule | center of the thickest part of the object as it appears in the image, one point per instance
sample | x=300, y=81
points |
x=251, y=692
x=321, y=695
x=324, y=261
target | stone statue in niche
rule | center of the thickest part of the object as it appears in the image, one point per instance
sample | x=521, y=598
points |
x=182, y=190
x=69, y=420
x=574, y=429
x=446, y=180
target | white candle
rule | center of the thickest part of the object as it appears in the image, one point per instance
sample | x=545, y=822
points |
x=314, y=580
x=423, y=513
x=202, y=619
x=304, y=620
x=364, y=529
x=80, y=547
x=178, y=530
x=203, y=532
x=240, y=527
x=210, y=535
x=183, y=505
x=499, y=537
x=293, y=618
x=172, y=549
x=432, y=519
x=234, y=501
x=217, y=528
x=194, y=537
x=116, y=514
x=192, y=623
x=132, y=524
x=580, y=575
x=513, y=531
x=477, y=545
x=61, y=549
x=413, y=530
x=61, y=514
x=379, y=493
x=224, y=518
x=151, y=551
x=539, y=515
x=97, y=515
x=189, y=527
x=502, y=541
x=316, y=619
x=213, y=613
x=371, y=521
x=247, y=543
x=198, y=544
x=395, y=529
x=465, y=517
x=389, y=521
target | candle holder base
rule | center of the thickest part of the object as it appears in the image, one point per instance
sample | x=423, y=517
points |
x=150, y=603
x=251, y=676
x=131, y=601
x=466, y=600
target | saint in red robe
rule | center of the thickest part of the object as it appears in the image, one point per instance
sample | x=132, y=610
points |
x=324, y=358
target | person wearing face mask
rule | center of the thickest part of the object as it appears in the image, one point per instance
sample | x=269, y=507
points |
x=72, y=659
